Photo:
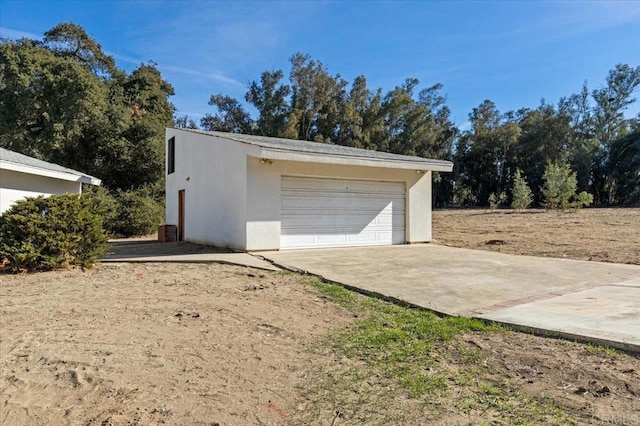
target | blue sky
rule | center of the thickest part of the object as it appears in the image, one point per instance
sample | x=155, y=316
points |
x=514, y=53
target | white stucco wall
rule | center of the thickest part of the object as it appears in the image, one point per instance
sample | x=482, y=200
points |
x=264, y=186
x=232, y=198
x=212, y=171
x=16, y=185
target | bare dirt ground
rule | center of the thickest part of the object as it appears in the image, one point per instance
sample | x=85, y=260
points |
x=149, y=344
x=223, y=345
x=603, y=235
x=592, y=385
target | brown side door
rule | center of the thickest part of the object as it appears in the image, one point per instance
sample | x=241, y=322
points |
x=181, y=215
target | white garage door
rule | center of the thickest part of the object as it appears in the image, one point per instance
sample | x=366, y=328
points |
x=335, y=212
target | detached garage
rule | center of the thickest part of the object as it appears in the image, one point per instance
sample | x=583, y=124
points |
x=258, y=193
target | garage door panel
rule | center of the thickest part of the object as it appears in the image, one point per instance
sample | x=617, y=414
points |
x=384, y=237
x=339, y=201
x=348, y=200
x=332, y=212
x=318, y=220
x=320, y=185
x=334, y=221
x=337, y=239
x=341, y=229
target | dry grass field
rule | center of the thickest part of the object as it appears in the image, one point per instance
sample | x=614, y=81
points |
x=603, y=235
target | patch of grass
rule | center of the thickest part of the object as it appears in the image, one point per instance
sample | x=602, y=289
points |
x=601, y=350
x=400, y=342
x=336, y=293
x=492, y=399
x=408, y=363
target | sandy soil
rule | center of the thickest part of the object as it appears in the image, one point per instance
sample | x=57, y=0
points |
x=150, y=344
x=603, y=235
x=594, y=386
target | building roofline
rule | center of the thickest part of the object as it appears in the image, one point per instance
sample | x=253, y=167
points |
x=306, y=151
x=11, y=160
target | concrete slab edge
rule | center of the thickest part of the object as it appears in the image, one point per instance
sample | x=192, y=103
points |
x=555, y=334
x=221, y=262
x=359, y=290
x=623, y=346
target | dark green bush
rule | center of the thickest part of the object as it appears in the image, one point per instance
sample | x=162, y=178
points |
x=138, y=214
x=127, y=213
x=103, y=202
x=50, y=233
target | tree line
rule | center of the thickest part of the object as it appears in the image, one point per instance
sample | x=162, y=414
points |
x=63, y=100
x=586, y=131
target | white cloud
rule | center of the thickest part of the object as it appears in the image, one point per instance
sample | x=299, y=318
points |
x=465, y=126
x=179, y=70
x=223, y=38
x=16, y=34
x=124, y=58
x=569, y=19
x=213, y=76
x=215, y=47
x=577, y=19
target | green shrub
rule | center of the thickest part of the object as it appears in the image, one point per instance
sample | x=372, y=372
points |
x=127, y=213
x=559, y=188
x=495, y=201
x=50, y=233
x=462, y=195
x=521, y=193
x=103, y=202
x=582, y=199
x=138, y=214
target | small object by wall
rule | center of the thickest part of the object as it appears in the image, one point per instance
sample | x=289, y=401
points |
x=167, y=233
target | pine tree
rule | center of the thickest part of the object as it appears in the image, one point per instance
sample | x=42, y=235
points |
x=559, y=188
x=560, y=184
x=521, y=192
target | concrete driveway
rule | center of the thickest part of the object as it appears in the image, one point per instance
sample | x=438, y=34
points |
x=589, y=301
x=143, y=250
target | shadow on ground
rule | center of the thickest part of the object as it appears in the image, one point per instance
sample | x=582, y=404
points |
x=132, y=249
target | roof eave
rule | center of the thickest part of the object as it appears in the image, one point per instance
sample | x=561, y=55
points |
x=305, y=157
x=91, y=180
x=23, y=168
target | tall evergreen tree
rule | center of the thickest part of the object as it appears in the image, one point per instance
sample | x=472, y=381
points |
x=63, y=100
x=544, y=138
x=269, y=97
x=624, y=163
x=315, y=100
x=231, y=116
x=610, y=124
x=483, y=153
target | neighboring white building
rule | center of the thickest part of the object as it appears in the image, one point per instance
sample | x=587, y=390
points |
x=259, y=193
x=22, y=176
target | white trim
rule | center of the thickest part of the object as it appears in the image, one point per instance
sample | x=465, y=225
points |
x=22, y=168
x=289, y=155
